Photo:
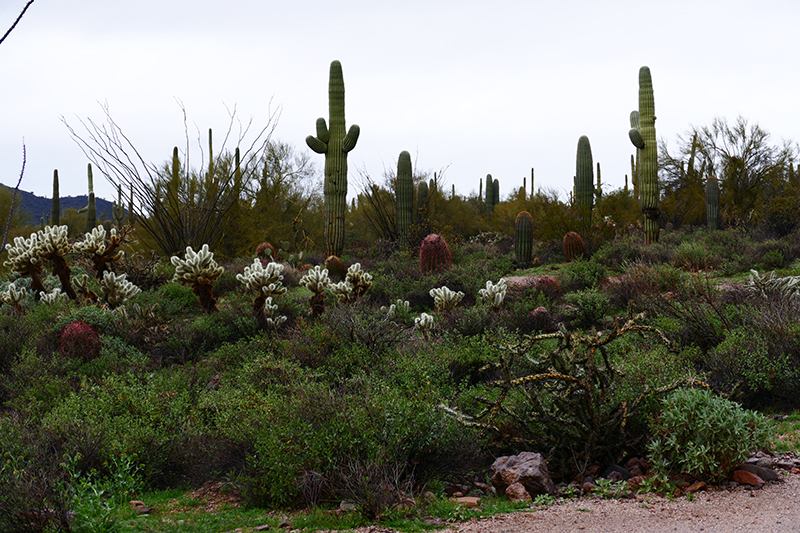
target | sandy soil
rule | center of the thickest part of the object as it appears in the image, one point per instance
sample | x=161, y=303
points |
x=773, y=508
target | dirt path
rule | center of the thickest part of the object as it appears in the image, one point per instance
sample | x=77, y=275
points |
x=774, y=508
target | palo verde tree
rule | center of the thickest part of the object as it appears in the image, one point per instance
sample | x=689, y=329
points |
x=750, y=168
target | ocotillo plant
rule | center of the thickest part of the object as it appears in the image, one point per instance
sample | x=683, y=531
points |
x=644, y=138
x=584, y=183
x=335, y=144
x=712, y=203
x=56, y=210
x=523, y=238
x=404, y=193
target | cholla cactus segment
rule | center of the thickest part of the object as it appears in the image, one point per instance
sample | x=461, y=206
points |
x=360, y=280
x=270, y=317
x=117, y=289
x=391, y=311
x=424, y=323
x=94, y=242
x=53, y=296
x=343, y=291
x=266, y=281
x=316, y=280
x=494, y=294
x=196, y=267
x=13, y=296
x=444, y=299
x=53, y=240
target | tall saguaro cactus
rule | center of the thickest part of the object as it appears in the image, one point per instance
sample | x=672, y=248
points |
x=404, y=193
x=91, y=208
x=712, y=203
x=334, y=143
x=584, y=183
x=644, y=138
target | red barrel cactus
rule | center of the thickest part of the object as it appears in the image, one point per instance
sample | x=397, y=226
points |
x=434, y=254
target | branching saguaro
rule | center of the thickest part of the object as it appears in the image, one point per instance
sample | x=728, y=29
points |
x=567, y=401
x=175, y=205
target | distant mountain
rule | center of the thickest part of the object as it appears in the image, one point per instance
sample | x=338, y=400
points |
x=37, y=206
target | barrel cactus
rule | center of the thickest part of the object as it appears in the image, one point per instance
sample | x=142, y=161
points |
x=335, y=144
x=573, y=246
x=643, y=138
x=523, y=238
x=434, y=254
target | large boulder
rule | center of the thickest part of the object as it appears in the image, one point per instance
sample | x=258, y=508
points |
x=527, y=468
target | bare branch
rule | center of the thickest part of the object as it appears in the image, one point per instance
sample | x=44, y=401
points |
x=14, y=196
x=24, y=9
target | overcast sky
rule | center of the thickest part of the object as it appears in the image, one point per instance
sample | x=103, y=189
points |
x=477, y=87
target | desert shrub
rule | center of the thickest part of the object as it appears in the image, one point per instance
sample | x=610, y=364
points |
x=704, y=435
x=773, y=254
x=581, y=274
x=15, y=333
x=642, y=279
x=589, y=308
x=693, y=256
x=146, y=271
x=628, y=248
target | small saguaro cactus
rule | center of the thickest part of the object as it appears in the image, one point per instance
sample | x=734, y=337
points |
x=523, y=238
x=573, y=246
x=404, y=194
x=712, y=203
x=335, y=144
x=489, y=198
x=117, y=209
x=643, y=138
x=55, y=213
x=199, y=271
x=434, y=254
x=423, y=195
x=91, y=207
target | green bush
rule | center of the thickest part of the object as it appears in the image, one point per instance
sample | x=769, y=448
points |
x=581, y=274
x=704, y=435
x=590, y=308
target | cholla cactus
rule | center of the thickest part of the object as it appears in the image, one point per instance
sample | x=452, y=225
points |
x=54, y=246
x=81, y=285
x=117, y=289
x=199, y=271
x=425, y=324
x=316, y=280
x=266, y=282
x=444, y=299
x=269, y=312
x=494, y=294
x=24, y=259
x=765, y=284
x=102, y=247
x=53, y=296
x=391, y=311
x=13, y=297
x=356, y=283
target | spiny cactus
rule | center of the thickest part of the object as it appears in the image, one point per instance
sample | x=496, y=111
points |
x=53, y=296
x=523, y=238
x=265, y=250
x=643, y=138
x=424, y=323
x=434, y=254
x=14, y=297
x=712, y=203
x=317, y=281
x=102, y=247
x=391, y=311
x=335, y=144
x=81, y=285
x=264, y=281
x=584, y=183
x=423, y=195
x=24, y=259
x=199, y=271
x=445, y=299
x=271, y=319
x=54, y=246
x=91, y=208
x=55, y=213
x=355, y=284
x=117, y=289
x=80, y=341
x=117, y=209
x=573, y=246
x=494, y=294
x=404, y=194
x=492, y=195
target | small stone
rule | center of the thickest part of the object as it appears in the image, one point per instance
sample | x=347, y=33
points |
x=767, y=474
x=261, y=528
x=696, y=487
x=747, y=478
x=588, y=487
x=516, y=493
x=285, y=524
x=469, y=501
x=347, y=505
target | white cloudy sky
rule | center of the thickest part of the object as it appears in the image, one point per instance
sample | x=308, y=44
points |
x=478, y=87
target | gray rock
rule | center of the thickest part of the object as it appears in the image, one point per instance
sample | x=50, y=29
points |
x=527, y=468
x=767, y=474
